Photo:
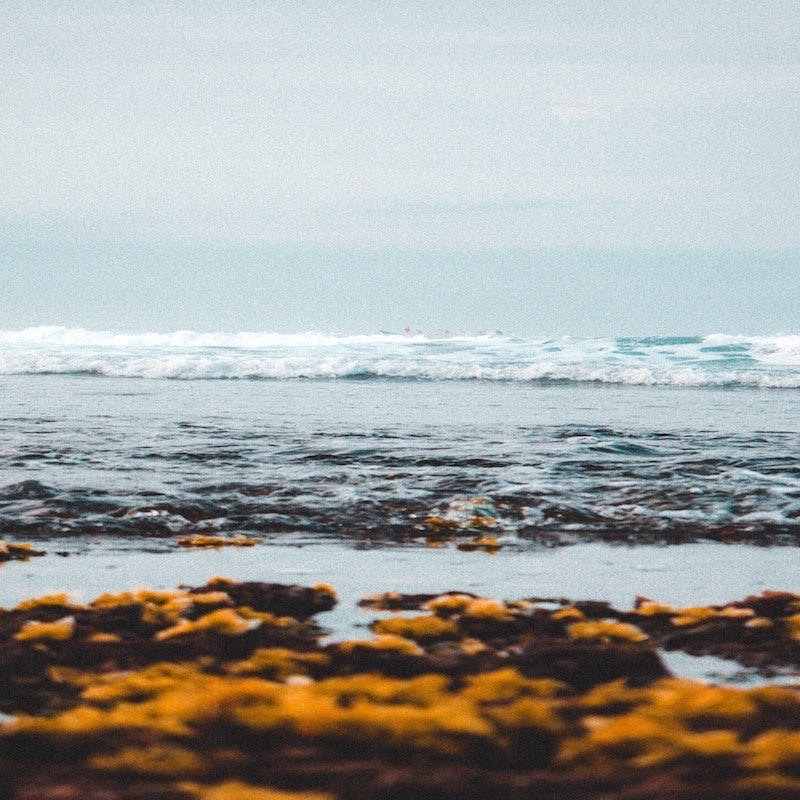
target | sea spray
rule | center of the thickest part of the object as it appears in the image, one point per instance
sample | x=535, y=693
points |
x=713, y=360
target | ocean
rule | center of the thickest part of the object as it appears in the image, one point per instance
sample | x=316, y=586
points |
x=604, y=468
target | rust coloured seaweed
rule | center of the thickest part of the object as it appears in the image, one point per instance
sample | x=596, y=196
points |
x=227, y=691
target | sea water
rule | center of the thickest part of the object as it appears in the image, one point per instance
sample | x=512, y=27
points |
x=364, y=438
x=605, y=469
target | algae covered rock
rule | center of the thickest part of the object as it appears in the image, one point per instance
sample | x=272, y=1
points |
x=228, y=691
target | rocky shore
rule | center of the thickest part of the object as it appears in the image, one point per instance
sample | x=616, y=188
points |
x=230, y=690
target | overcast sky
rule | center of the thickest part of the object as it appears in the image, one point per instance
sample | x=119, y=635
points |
x=262, y=150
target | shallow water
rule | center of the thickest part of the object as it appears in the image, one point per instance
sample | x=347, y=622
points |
x=692, y=574
x=687, y=575
x=584, y=485
x=87, y=456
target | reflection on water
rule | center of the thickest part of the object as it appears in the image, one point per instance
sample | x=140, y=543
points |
x=695, y=574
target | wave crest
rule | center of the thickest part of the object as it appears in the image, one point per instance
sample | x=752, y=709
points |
x=713, y=360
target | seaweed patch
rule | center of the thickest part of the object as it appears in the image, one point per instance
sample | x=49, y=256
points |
x=17, y=552
x=229, y=691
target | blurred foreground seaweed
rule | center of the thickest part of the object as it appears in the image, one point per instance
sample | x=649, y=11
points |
x=227, y=691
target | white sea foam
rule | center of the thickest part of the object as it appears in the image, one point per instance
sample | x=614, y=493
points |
x=54, y=336
x=778, y=350
x=714, y=360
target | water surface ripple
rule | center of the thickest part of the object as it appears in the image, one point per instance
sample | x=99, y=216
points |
x=122, y=458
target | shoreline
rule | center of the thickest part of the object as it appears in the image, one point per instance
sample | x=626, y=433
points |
x=695, y=572
x=683, y=575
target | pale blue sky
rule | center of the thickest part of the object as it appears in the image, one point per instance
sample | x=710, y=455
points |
x=552, y=167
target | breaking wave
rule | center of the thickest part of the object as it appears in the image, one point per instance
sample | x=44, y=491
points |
x=713, y=360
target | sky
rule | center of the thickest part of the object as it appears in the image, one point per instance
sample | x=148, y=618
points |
x=546, y=168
